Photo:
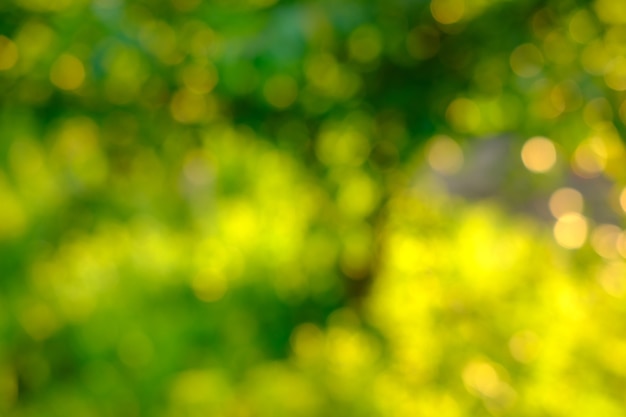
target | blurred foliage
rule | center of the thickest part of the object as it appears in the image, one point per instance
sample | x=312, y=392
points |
x=246, y=208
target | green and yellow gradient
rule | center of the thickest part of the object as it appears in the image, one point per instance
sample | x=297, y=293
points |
x=247, y=208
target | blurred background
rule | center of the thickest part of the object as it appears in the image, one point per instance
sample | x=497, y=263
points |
x=312, y=208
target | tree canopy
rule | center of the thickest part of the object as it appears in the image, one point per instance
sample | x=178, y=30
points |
x=297, y=208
